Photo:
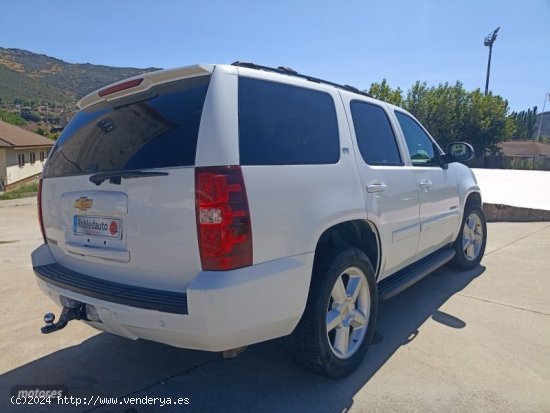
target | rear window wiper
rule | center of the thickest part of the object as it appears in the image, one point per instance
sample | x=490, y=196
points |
x=116, y=177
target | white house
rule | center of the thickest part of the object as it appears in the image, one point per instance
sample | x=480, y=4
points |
x=22, y=155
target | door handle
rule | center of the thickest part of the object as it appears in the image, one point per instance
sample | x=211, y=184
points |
x=379, y=187
x=425, y=184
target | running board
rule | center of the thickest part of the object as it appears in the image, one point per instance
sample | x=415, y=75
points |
x=406, y=277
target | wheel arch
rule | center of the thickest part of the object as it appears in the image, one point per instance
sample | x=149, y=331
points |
x=358, y=233
x=473, y=198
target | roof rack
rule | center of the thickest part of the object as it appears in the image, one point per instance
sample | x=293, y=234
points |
x=288, y=71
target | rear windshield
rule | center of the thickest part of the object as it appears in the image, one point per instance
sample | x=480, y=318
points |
x=158, y=130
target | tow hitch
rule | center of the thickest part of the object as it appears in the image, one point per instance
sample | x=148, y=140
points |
x=72, y=310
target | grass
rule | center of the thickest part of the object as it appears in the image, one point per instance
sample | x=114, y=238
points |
x=7, y=242
x=21, y=191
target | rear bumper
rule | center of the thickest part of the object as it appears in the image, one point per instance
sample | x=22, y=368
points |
x=130, y=295
x=218, y=311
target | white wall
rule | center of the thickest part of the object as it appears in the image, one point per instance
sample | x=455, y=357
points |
x=17, y=173
x=525, y=189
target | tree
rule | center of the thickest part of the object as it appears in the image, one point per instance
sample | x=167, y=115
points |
x=486, y=121
x=451, y=113
x=30, y=115
x=440, y=109
x=523, y=124
x=383, y=91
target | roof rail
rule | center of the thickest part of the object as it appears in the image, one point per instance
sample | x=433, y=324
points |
x=288, y=71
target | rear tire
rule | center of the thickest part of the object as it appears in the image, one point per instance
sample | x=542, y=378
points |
x=472, y=238
x=338, y=323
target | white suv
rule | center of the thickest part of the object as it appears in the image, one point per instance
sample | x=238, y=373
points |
x=215, y=206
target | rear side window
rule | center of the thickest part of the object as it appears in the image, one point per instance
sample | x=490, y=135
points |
x=286, y=125
x=159, y=130
x=374, y=133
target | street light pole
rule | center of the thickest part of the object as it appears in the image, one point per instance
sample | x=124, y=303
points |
x=489, y=40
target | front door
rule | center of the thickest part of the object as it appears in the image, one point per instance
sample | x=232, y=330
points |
x=439, y=202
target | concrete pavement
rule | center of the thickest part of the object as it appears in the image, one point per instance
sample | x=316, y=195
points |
x=457, y=341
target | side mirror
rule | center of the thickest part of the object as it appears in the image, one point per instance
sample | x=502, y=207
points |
x=459, y=152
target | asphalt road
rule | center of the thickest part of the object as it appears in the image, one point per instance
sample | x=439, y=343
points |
x=476, y=341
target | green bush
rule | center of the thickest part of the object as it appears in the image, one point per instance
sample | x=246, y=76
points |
x=20, y=191
x=12, y=118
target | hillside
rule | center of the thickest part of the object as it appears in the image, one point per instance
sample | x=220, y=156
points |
x=18, y=85
x=32, y=76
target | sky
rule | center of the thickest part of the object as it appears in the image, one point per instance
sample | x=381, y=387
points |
x=349, y=42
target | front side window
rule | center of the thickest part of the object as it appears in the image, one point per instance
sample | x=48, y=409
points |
x=21, y=159
x=282, y=124
x=158, y=131
x=374, y=133
x=421, y=147
x=32, y=157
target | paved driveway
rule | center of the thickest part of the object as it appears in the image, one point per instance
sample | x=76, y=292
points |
x=457, y=341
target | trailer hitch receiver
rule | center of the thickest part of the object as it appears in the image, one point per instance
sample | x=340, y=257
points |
x=72, y=310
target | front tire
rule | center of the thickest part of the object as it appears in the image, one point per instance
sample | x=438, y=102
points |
x=338, y=323
x=470, y=243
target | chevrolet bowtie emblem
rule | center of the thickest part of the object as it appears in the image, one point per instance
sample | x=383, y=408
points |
x=83, y=203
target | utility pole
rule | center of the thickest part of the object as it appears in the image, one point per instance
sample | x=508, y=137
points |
x=489, y=40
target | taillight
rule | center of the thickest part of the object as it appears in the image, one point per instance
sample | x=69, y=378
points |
x=223, y=218
x=40, y=221
x=121, y=86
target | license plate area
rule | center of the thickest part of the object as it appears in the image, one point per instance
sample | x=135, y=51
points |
x=97, y=226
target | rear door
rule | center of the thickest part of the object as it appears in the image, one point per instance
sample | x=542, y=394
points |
x=137, y=225
x=389, y=186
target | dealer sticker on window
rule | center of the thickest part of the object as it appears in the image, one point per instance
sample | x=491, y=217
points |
x=103, y=227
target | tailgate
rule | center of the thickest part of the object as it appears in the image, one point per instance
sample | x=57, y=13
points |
x=141, y=232
x=136, y=224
